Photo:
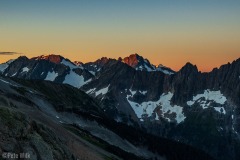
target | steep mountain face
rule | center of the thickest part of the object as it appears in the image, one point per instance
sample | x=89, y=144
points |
x=78, y=63
x=55, y=121
x=52, y=68
x=20, y=134
x=61, y=70
x=164, y=69
x=5, y=65
x=199, y=109
x=95, y=67
x=117, y=81
x=51, y=58
x=139, y=63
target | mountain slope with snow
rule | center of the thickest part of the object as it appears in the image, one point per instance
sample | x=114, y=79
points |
x=48, y=67
x=198, y=109
x=57, y=121
x=139, y=63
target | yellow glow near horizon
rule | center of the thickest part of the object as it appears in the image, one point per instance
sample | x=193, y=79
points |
x=206, y=50
x=170, y=33
x=204, y=64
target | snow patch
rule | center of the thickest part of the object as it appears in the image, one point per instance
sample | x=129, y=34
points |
x=164, y=71
x=5, y=65
x=5, y=81
x=25, y=69
x=132, y=92
x=143, y=92
x=148, y=68
x=203, y=100
x=14, y=74
x=160, y=68
x=69, y=64
x=141, y=68
x=220, y=110
x=51, y=76
x=74, y=79
x=93, y=73
x=147, y=108
x=102, y=91
x=157, y=118
x=91, y=90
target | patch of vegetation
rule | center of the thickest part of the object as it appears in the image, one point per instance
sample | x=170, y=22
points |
x=85, y=135
x=170, y=149
x=3, y=101
x=64, y=97
x=109, y=158
x=7, y=117
x=15, y=121
x=102, y=144
x=201, y=131
x=21, y=90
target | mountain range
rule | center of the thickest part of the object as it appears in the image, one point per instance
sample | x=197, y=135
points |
x=201, y=110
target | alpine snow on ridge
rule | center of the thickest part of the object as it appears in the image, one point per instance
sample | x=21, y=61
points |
x=198, y=109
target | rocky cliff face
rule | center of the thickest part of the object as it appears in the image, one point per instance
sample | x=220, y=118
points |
x=95, y=67
x=19, y=134
x=200, y=109
x=185, y=106
x=51, y=58
x=139, y=63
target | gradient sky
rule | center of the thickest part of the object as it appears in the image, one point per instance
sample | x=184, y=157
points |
x=171, y=32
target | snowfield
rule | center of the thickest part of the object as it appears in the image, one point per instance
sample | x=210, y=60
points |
x=25, y=69
x=70, y=64
x=205, y=100
x=143, y=92
x=148, y=108
x=4, y=66
x=75, y=80
x=102, y=91
x=51, y=76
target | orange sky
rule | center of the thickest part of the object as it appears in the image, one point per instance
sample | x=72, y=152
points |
x=205, y=33
x=205, y=62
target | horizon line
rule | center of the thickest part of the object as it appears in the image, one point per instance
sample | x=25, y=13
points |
x=56, y=54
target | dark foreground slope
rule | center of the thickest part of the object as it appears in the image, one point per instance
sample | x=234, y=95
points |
x=53, y=121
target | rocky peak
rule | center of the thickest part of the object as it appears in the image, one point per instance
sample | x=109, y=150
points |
x=19, y=60
x=78, y=63
x=102, y=61
x=189, y=68
x=22, y=58
x=52, y=58
x=165, y=69
x=138, y=62
x=94, y=67
x=133, y=60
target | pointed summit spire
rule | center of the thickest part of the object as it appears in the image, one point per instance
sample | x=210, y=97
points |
x=189, y=67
